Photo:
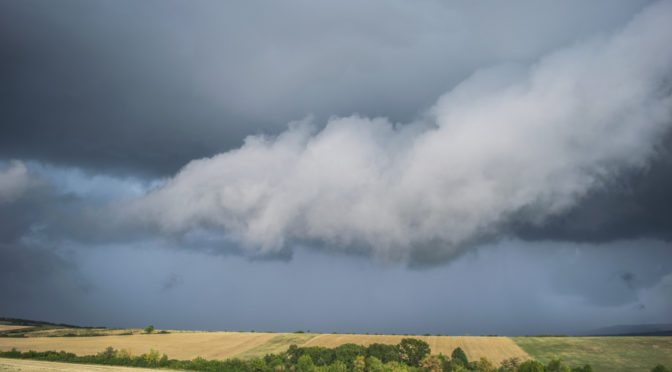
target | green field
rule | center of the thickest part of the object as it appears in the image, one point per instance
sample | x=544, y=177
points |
x=605, y=354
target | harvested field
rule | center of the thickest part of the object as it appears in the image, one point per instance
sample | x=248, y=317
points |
x=4, y=327
x=183, y=345
x=40, y=366
x=494, y=348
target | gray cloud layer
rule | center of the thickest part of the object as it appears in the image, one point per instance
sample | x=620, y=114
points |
x=508, y=142
x=146, y=87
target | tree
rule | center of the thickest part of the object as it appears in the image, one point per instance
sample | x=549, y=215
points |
x=511, y=363
x=531, y=366
x=337, y=366
x=359, y=364
x=432, y=363
x=149, y=329
x=459, y=356
x=385, y=353
x=305, y=364
x=348, y=352
x=373, y=364
x=257, y=365
x=412, y=351
x=660, y=368
x=484, y=365
x=555, y=365
x=395, y=367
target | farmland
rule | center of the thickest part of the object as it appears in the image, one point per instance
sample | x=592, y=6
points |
x=617, y=354
x=603, y=353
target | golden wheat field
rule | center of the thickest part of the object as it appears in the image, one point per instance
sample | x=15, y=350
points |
x=4, y=327
x=222, y=345
x=183, y=345
x=39, y=366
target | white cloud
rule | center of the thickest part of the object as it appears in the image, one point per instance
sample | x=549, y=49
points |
x=505, y=140
x=14, y=181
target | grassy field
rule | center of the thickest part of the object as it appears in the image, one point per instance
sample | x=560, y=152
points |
x=605, y=354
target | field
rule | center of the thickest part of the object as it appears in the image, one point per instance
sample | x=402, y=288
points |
x=616, y=354
x=14, y=365
x=5, y=327
x=182, y=345
x=222, y=345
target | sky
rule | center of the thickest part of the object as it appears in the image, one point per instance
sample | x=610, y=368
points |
x=384, y=167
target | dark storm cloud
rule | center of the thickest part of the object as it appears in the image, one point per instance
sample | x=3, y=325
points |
x=147, y=86
x=633, y=205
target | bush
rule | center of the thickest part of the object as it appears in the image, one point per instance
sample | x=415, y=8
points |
x=660, y=368
x=460, y=357
x=149, y=329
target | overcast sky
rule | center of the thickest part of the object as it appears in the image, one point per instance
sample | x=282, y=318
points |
x=389, y=166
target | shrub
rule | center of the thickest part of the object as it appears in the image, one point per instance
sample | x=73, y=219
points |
x=149, y=329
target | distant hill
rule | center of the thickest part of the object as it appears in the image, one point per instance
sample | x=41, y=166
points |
x=632, y=330
x=36, y=323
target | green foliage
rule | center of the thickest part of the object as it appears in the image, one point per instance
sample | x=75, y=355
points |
x=359, y=364
x=337, y=366
x=459, y=357
x=484, y=365
x=305, y=364
x=374, y=364
x=412, y=351
x=149, y=329
x=395, y=367
x=347, y=353
x=660, y=368
x=531, y=366
x=385, y=353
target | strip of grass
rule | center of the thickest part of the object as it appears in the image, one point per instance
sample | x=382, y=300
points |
x=605, y=354
x=276, y=345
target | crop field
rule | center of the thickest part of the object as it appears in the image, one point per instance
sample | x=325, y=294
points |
x=14, y=365
x=182, y=345
x=245, y=345
x=615, y=354
x=618, y=354
x=5, y=327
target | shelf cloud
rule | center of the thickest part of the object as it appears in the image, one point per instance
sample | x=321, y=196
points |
x=511, y=142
